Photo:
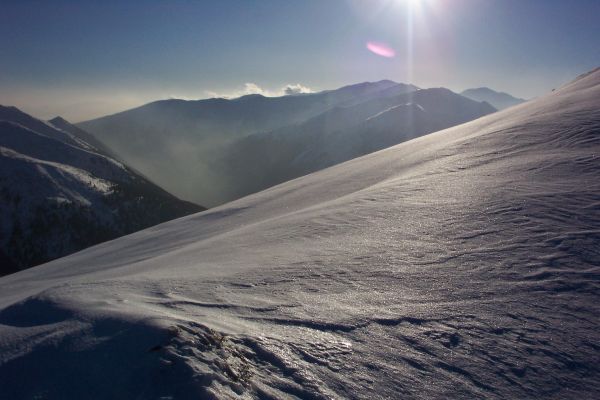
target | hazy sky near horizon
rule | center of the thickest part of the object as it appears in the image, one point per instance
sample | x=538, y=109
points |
x=83, y=59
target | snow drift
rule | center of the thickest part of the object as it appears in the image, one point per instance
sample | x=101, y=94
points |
x=462, y=264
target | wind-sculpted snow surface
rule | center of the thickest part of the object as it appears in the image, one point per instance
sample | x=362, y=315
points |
x=462, y=264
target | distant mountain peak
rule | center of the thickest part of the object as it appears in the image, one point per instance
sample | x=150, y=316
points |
x=58, y=120
x=382, y=84
x=9, y=112
x=9, y=107
x=499, y=100
x=483, y=89
x=250, y=96
x=386, y=82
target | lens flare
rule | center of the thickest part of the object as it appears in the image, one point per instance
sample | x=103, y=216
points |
x=381, y=49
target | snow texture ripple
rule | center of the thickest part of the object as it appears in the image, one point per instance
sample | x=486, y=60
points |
x=462, y=264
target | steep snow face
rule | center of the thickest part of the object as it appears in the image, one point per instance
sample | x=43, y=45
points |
x=462, y=264
x=59, y=194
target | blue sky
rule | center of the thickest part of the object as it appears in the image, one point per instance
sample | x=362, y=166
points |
x=82, y=59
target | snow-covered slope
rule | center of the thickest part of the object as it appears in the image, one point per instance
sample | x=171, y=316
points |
x=462, y=264
x=59, y=193
x=85, y=139
x=177, y=143
x=339, y=135
x=499, y=100
x=14, y=115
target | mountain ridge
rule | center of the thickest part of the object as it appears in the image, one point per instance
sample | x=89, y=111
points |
x=341, y=134
x=499, y=100
x=465, y=257
x=167, y=139
x=61, y=193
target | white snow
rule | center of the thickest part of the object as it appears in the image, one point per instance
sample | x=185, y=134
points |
x=214, y=151
x=76, y=177
x=399, y=106
x=462, y=264
x=56, y=197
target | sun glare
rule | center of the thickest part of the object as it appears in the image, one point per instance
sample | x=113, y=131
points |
x=413, y=4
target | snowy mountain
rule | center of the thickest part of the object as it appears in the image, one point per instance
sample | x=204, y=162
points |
x=461, y=264
x=499, y=100
x=186, y=146
x=339, y=135
x=86, y=140
x=60, y=193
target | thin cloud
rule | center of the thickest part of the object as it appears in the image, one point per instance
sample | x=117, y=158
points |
x=296, y=89
x=253, y=88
